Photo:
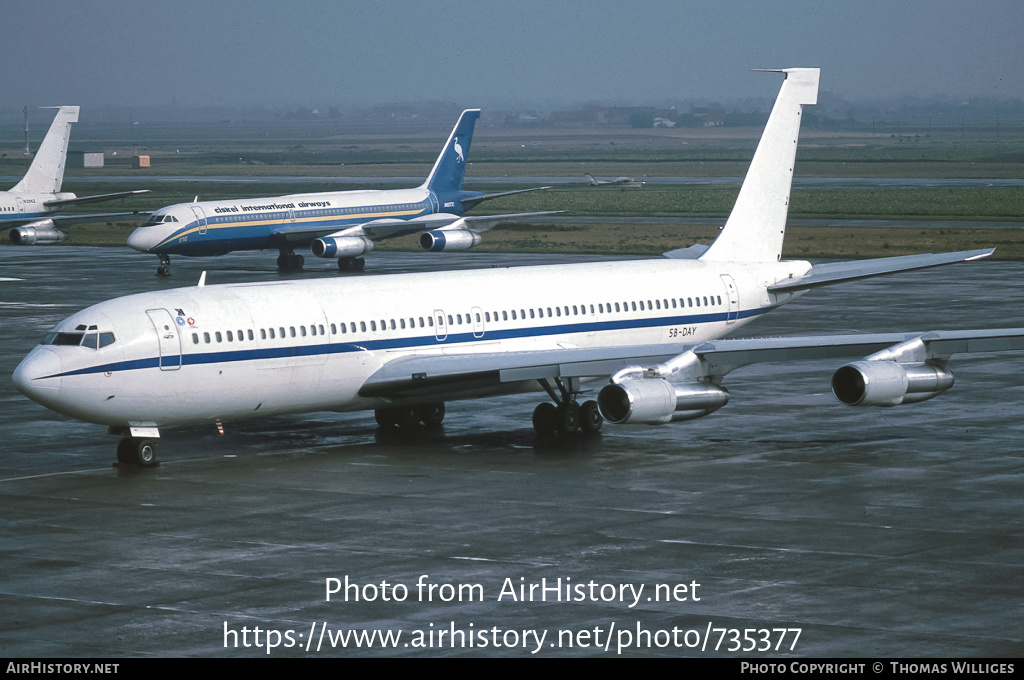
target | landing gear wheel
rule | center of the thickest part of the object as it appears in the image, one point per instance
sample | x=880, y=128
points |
x=126, y=451
x=545, y=419
x=290, y=262
x=165, y=266
x=134, y=451
x=590, y=417
x=432, y=415
x=568, y=414
x=385, y=417
x=145, y=452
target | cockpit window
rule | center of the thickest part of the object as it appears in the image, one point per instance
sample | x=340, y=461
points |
x=90, y=339
x=158, y=219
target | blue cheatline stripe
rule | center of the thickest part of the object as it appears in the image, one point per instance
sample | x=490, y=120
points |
x=426, y=341
x=262, y=225
x=20, y=217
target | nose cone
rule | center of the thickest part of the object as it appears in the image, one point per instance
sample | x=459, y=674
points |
x=143, y=239
x=38, y=376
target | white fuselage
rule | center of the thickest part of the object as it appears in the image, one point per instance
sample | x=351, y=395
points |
x=20, y=207
x=238, y=351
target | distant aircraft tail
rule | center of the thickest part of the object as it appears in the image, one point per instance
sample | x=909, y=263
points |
x=593, y=182
x=450, y=168
x=757, y=224
x=46, y=173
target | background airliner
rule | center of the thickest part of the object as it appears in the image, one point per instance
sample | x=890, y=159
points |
x=36, y=202
x=341, y=224
x=405, y=344
x=625, y=182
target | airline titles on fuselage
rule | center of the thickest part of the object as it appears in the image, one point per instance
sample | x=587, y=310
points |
x=272, y=206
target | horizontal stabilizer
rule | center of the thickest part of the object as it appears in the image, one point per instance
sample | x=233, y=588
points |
x=838, y=272
x=473, y=202
x=691, y=253
x=68, y=202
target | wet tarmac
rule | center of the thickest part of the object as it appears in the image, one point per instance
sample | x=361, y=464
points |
x=875, y=532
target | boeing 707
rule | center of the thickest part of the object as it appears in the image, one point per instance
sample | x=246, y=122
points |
x=403, y=345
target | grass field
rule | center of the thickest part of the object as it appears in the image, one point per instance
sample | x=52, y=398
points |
x=320, y=152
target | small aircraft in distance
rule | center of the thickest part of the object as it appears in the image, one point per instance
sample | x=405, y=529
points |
x=34, y=206
x=624, y=182
x=341, y=224
x=404, y=344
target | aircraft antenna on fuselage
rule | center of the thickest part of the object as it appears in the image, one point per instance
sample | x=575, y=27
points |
x=757, y=225
x=46, y=173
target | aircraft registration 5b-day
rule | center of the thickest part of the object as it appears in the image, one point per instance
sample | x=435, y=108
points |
x=405, y=344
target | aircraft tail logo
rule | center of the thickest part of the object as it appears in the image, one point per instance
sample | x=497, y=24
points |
x=450, y=168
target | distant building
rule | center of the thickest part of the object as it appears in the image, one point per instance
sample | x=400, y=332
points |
x=85, y=159
x=140, y=161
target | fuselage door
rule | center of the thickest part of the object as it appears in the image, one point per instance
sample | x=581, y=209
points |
x=478, y=322
x=168, y=338
x=440, y=325
x=732, y=296
x=200, y=218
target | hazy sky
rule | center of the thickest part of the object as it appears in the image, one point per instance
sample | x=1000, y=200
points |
x=301, y=53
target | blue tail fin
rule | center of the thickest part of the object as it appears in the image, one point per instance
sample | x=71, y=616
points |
x=450, y=167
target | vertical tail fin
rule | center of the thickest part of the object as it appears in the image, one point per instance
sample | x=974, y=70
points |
x=757, y=224
x=450, y=167
x=46, y=173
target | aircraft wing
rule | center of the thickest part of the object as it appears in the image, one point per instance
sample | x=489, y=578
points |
x=451, y=374
x=68, y=202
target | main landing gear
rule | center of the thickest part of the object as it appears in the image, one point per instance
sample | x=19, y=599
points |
x=137, y=451
x=566, y=417
x=288, y=261
x=165, y=266
x=408, y=417
x=351, y=264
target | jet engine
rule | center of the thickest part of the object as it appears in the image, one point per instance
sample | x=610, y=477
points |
x=41, y=232
x=888, y=383
x=449, y=239
x=341, y=246
x=656, y=400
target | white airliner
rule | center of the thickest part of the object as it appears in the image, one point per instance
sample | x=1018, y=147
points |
x=405, y=344
x=341, y=224
x=33, y=206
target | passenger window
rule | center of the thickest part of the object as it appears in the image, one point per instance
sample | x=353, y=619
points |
x=230, y=337
x=451, y=321
x=430, y=321
x=292, y=329
x=478, y=317
x=263, y=334
x=393, y=325
x=334, y=329
x=504, y=315
x=219, y=337
x=206, y=338
x=283, y=334
x=641, y=305
x=362, y=326
x=403, y=324
x=312, y=329
x=249, y=333
x=302, y=331
x=373, y=325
